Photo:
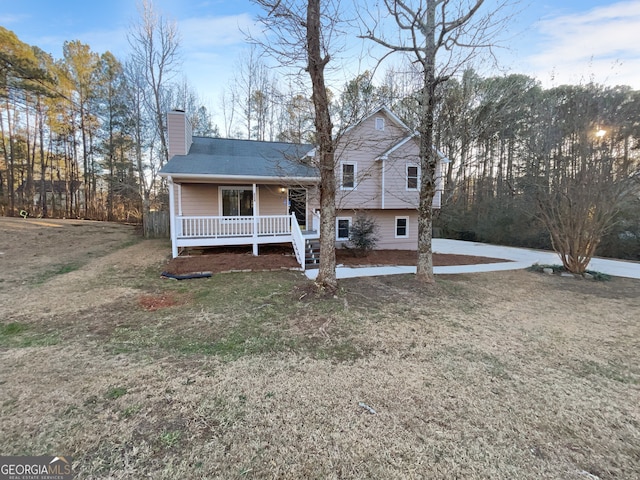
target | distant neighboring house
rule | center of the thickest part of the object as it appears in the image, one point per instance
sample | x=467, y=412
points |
x=55, y=193
x=245, y=192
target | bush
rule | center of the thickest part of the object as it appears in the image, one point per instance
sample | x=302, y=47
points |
x=362, y=235
x=597, y=276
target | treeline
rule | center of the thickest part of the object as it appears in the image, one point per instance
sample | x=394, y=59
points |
x=84, y=136
x=518, y=150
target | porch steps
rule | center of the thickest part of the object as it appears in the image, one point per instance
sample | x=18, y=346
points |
x=312, y=253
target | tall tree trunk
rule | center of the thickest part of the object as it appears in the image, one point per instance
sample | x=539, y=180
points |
x=43, y=161
x=29, y=191
x=428, y=160
x=428, y=155
x=10, y=161
x=5, y=154
x=326, y=279
x=85, y=161
x=112, y=180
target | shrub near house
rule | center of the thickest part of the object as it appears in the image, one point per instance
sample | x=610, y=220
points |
x=363, y=235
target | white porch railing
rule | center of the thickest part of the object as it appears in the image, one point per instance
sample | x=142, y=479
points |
x=200, y=231
x=298, y=241
x=315, y=222
x=225, y=227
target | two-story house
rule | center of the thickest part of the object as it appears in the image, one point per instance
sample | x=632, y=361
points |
x=245, y=192
x=378, y=171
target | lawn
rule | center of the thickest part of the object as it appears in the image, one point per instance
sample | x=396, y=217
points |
x=501, y=375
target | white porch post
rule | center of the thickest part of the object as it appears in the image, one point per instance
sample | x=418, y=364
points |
x=172, y=219
x=255, y=219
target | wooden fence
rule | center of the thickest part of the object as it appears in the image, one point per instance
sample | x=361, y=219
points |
x=156, y=225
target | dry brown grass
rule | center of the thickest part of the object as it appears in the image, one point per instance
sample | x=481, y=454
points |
x=502, y=375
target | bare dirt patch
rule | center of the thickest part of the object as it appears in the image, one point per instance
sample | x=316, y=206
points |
x=153, y=302
x=270, y=257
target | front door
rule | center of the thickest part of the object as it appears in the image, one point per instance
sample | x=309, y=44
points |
x=298, y=205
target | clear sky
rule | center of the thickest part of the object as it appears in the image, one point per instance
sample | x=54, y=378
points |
x=557, y=41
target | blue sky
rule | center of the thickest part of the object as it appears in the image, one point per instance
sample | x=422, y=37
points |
x=557, y=41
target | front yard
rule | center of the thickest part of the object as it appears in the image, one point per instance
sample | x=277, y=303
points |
x=502, y=375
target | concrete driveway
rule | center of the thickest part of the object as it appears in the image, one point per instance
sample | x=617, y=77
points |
x=519, y=258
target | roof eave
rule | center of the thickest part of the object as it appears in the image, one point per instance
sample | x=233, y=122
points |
x=243, y=178
x=385, y=155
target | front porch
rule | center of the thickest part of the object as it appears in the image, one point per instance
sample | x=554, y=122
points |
x=212, y=231
x=216, y=214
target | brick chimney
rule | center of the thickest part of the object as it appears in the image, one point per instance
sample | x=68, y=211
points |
x=179, y=133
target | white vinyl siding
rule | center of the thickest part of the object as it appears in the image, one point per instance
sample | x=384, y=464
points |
x=198, y=199
x=400, y=178
x=387, y=225
x=363, y=146
x=272, y=200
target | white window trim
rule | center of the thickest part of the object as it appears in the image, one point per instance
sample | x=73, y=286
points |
x=237, y=187
x=406, y=178
x=349, y=219
x=355, y=175
x=379, y=124
x=395, y=227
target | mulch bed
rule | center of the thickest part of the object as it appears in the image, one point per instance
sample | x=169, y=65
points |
x=277, y=257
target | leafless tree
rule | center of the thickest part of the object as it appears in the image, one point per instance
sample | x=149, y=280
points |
x=440, y=36
x=140, y=130
x=581, y=205
x=227, y=104
x=301, y=36
x=155, y=45
x=295, y=120
x=250, y=86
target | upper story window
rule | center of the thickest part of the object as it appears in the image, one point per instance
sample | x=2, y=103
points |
x=380, y=124
x=412, y=177
x=348, y=176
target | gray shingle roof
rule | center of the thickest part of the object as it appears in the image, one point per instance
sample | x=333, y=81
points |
x=230, y=157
